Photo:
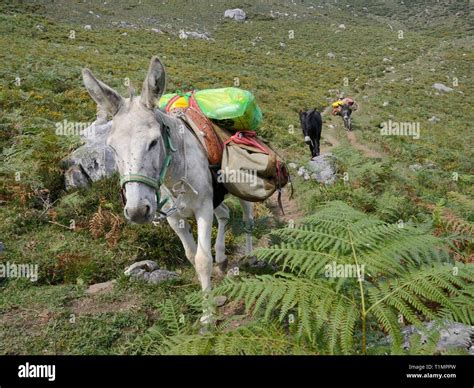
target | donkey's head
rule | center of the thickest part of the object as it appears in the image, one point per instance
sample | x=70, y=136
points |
x=304, y=125
x=346, y=111
x=136, y=138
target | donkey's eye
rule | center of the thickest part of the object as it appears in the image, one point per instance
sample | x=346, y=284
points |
x=152, y=144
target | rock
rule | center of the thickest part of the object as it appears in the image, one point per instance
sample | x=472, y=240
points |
x=301, y=171
x=386, y=60
x=282, y=45
x=159, y=275
x=87, y=27
x=148, y=270
x=415, y=167
x=323, y=168
x=342, y=26
x=385, y=103
x=146, y=265
x=101, y=287
x=92, y=161
x=220, y=300
x=306, y=176
x=157, y=30
x=331, y=55
x=293, y=166
x=194, y=35
x=452, y=335
x=434, y=119
x=442, y=88
x=236, y=14
x=75, y=177
x=255, y=263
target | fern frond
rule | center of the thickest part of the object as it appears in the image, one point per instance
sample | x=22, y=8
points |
x=253, y=339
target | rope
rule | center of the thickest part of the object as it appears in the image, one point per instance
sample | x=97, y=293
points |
x=180, y=191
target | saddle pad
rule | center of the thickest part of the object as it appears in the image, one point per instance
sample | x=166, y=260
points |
x=204, y=130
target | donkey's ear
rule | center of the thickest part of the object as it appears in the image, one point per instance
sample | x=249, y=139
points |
x=106, y=97
x=154, y=84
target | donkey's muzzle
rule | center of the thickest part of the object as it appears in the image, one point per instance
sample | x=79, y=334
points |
x=139, y=214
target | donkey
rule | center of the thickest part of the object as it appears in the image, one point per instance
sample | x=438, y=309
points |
x=158, y=157
x=345, y=112
x=311, y=124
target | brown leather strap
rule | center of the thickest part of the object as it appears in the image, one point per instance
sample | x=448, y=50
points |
x=204, y=130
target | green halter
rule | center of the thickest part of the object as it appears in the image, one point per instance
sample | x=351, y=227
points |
x=151, y=182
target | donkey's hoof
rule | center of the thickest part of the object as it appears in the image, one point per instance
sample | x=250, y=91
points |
x=221, y=268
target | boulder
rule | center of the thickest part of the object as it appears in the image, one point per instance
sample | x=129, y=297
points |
x=301, y=171
x=92, y=161
x=159, y=275
x=322, y=168
x=146, y=265
x=293, y=166
x=100, y=288
x=194, y=35
x=452, y=335
x=442, y=88
x=415, y=167
x=235, y=14
x=148, y=271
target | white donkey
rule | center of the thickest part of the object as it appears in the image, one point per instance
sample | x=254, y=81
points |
x=156, y=155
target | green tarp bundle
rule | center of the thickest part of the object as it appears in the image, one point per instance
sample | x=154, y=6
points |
x=234, y=108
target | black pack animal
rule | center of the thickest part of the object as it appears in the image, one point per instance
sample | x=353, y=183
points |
x=312, y=124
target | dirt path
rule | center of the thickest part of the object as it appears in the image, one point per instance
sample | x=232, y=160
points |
x=351, y=136
x=290, y=207
x=329, y=140
x=367, y=151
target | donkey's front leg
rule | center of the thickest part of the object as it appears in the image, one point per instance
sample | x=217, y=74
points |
x=203, y=259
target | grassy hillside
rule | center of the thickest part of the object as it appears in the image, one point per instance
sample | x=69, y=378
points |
x=281, y=55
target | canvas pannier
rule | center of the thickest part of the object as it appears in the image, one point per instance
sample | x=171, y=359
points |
x=250, y=169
